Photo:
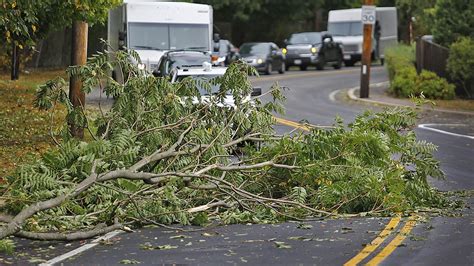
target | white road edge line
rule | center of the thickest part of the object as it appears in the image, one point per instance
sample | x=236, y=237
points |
x=429, y=127
x=81, y=249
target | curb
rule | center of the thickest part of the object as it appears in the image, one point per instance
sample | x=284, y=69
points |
x=353, y=97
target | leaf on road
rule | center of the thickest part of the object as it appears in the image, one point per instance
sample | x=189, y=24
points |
x=129, y=262
x=282, y=245
x=179, y=237
x=253, y=240
x=148, y=246
x=210, y=234
x=302, y=238
x=304, y=226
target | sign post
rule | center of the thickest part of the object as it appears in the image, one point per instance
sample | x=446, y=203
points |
x=368, y=20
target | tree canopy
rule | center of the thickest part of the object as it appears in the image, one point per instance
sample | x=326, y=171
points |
x=24, y=21
x=453, y=19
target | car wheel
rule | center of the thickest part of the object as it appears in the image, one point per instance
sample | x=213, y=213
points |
x=349, y=63
x=282, y=68
x=268, y=69
x=320, y=64
x=303, y=68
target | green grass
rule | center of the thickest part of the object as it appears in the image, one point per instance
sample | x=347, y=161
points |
x=24, y=130
x=457, y=104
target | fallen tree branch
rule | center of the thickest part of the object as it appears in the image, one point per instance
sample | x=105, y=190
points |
x=80, y=235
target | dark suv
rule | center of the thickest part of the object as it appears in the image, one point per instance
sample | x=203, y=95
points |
x=180, y=58
x=313, y=49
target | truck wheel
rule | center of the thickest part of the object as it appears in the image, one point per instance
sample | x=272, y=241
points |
x=349, y=63
x=303, y=68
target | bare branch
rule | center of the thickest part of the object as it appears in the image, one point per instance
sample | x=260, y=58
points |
x=80, y=235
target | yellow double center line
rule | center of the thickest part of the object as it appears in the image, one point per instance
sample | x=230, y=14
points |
x=375, y=243
x=384, y=234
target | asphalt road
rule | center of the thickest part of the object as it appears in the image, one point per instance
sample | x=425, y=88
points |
x=441, y=240
x=316, y=97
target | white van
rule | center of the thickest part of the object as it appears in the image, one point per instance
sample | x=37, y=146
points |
x=346, y=27
x=152, y=27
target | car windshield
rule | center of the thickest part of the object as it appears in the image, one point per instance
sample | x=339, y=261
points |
x=188, y=60
x=255, y=48
x=155, y=36
x=305, y=38
x=353, y=28
x=203, y=91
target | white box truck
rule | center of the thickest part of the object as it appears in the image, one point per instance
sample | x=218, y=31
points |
x=153, y=27
x=346, y=27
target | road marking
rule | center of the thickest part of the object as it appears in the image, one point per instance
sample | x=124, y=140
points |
x=395, y=243
x=81, y=249
x=375, y=243
x=332, y=95
x=430, y=128
x=291, y=124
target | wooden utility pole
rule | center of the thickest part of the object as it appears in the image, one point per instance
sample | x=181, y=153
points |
x=368, y=19
x=78, y=57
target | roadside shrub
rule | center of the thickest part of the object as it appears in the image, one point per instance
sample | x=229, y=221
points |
x=399, y=57
x=404, y=83
x=461, y=64
x=404, y=80
x=408, y=83
x=434, y=87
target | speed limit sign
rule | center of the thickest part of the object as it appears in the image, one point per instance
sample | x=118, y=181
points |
x=368, y=15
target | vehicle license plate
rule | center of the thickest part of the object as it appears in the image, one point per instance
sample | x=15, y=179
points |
x=297, y=62
x=347, y=57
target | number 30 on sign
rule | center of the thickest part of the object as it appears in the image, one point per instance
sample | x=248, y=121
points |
x=368, y=15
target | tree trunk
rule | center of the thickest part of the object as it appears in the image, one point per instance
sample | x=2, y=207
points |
x=15, y=74
x=79, y=57
x=318, y=19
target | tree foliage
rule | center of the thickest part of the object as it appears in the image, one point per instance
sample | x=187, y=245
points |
x=159, y=157
x=461, y=63
x=24, y=22
x=453, y=19
x=19, y=21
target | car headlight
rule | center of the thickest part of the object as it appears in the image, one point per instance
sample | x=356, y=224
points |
x=259, y=61
x=141, y=66
x=314, y=50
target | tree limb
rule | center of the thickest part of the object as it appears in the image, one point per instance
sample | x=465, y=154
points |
x=80, y=235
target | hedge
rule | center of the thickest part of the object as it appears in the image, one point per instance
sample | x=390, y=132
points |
x=405, y=81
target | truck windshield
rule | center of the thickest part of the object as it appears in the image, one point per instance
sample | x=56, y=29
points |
x=348, y=28
x=155, y=36
x=305, y=38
